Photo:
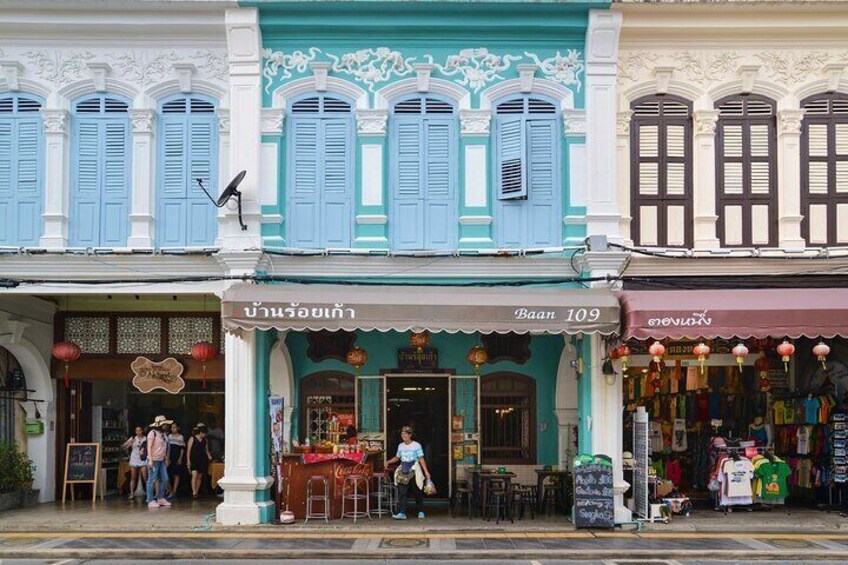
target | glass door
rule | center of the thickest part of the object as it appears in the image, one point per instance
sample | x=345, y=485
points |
x=371, y=411
x=464, y=423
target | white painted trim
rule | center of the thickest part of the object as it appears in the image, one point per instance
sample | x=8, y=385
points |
x=761, y=87
x=272, y=219
x=574, y=220
x=172, y=86
x=475, y=221
x=476, y=175
x=28, y=86
x=542, y=86
x=268, y=174
x=372, y=219
x=304, y=85
x=578, y=184
x=648, y=88
x=372, y=174
x=821, y=86
x=86, y=86
x=371, y=239
x=384, y=97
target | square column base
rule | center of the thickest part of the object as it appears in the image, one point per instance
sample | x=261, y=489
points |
x=240, y=506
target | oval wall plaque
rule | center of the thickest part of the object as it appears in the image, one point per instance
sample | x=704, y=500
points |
x=150, y=375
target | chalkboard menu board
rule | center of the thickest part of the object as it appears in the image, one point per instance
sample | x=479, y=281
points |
x=594, y=505
x=82, y=465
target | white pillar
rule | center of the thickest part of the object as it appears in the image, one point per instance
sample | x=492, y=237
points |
x=602, y=211
x=566, y=405
x=241, y=483
x=789, y=178
x=56, y=180
x=704, y=180
x=143, y=189
x=624, y=181
x=244, y=43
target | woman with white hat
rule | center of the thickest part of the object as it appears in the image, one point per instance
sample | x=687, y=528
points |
x=157, y=461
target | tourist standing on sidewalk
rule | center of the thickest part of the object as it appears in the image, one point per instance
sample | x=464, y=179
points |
x=198, y=458
x=137, y=445
x=157, y=464
x=410, y=475
x=176, y=458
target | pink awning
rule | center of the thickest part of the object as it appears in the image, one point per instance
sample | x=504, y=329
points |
x=682, y=314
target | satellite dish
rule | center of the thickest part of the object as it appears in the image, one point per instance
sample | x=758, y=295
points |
x=229, y=193
x=231, y=190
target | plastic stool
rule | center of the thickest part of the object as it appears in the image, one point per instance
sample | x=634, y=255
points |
x=351, y=493
x=323, y=498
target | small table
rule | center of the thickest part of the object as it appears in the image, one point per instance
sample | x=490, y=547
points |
x=541, y=475
x=216, y=473
x=483, y=478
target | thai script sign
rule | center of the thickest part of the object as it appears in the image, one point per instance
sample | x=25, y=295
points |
x=594, y=502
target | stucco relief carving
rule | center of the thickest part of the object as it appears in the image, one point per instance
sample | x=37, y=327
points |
x=371, y=66
x=55, y=121
x=371, y=122
x=562, y=69
x=475, y=122
x=141, y=121
x=705, y=122
x=789, y=121
x=476, y=67
x=280, y=63
x=573, y=122
x=622, y=123
x=272, y=121
x=223, y=120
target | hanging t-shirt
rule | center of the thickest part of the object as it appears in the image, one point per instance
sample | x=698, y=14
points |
x=803, y=435
x=737, y=479
x=703, y=377
x=656, y=437
x=778, y=412
x=681, y=406
x=789, y=411
x=674, y=378
x=674, y=472
x=811, y=410
x=679, y=442
x=759, y=433
x=691, y=378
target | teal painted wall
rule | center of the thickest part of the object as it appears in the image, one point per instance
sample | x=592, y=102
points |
x=264, y=341
x=382, y=354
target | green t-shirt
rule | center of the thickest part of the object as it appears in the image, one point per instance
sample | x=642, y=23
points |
x=773, y=475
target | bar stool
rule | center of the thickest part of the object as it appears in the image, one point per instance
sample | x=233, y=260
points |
x=380, y=495
x=351, y=492
x=498, y=500
x=525, y=497
x=323, y=498
x=463, y=492
x=552, y=498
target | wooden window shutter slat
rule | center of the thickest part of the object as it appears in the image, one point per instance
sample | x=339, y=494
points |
x=649, y=137
x=818, y=140
x=676, y=141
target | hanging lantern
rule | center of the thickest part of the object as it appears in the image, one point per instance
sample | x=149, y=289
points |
x=204, y=352
x=66, y=351
x=477, y=356
x=623, y=353
x=702, y=351
x=762, y=364
x=357, y=357
x=419, y=340
x=764, y=384
x=785, y=350
x=657, y=350
x=821, y=351
x=740, y=351
x=613, y=353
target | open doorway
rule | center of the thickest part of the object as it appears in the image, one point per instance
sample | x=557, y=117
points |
x=422, y=403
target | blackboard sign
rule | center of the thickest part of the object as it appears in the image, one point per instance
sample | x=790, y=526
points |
x=82, y=465
x=594, y=503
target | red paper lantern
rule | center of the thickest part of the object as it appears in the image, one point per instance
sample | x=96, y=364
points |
x=613, y=353
x=657, y=350
x=66, y=351
x=702, y=351
x=740, y=351
x=477, y=356
x=357, y=357
x=821, y=351
x=204, y=351
x=785, y=350
x=419, y=340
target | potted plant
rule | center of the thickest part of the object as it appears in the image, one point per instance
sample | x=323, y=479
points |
x=16, y=476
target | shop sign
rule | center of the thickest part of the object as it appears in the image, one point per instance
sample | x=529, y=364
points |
x=410, y=359
x=150, y=375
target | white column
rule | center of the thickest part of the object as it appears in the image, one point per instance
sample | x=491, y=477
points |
x=603, y=215
x=704, y=180
x=789, y=178
x=143, y=189
x=240, y=482
x=566, y=405
x=624, y=181
x=56, y=180
x=244, y=50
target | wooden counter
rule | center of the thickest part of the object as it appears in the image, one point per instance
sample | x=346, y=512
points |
x=296, y=474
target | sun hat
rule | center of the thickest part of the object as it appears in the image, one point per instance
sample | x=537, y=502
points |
x=160, y=421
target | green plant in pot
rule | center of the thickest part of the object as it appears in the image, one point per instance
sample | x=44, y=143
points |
x=17, y=471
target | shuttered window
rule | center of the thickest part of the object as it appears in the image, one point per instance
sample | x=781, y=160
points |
x=661, y=172
x=527, y=186
x=188, y=150
x=423, y=174
x=746, y=166
x=100, y=172
x=824, y=170
x=21, y=165
x=320, y=172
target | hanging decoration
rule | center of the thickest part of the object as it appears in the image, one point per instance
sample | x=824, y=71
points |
x=821, y=351
x=204, y=352
x=785, y=350
x=357, y=357
x=419, y=340
x=657, y=350
x=477, y=356
x=762, y=364
x=764, y=384
x=623, y=353
x=740, y=351
x=66, y=351
x=701, y=351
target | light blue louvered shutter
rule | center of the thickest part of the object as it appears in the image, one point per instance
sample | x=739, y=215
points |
x=512, y=177
x=116, y=182
x=336, y=183
x=541, y=182
x=202, y=162
x=171, y=218
x=85, y=213
x=28, y=186
x=439, y=214
x=408, y=216
x=7, y=216
x=304, y=216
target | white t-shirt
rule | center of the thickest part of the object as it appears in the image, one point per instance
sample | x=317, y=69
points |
x=738, y=475
x=656, y=437
x=803, y=435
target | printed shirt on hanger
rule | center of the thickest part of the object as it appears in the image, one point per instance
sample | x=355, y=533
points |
x=738, y=477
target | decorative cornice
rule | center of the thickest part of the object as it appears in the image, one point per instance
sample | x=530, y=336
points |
x=789, y=122
x=11, y=70
x=372, y=219
x=141, y=120
x=622, y=123
x=223, y=116
x=475, y=122
x=475, y=220
x=272, y=121
x=573, y=122
x=371, y=122
x=55, y=121
x=705, y=122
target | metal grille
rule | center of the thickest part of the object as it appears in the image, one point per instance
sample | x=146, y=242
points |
x=139, y=335
x=90, y=333
x=185, y=332
x=507, y=419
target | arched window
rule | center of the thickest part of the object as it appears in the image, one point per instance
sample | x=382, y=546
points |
x=527, y=173
x=746, y=166
x=320, y=170
x=661, y=172
x=508, y=418
x=424, y=174
x=322, y=395
x=21, y=164
x=188, y=150
x=100, y=172
x=824, y=169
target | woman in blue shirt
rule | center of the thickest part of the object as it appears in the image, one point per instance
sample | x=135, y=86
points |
x=411, y=474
